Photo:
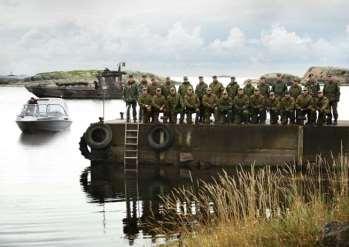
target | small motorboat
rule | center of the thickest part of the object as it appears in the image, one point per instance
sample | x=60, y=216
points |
x=45, y=114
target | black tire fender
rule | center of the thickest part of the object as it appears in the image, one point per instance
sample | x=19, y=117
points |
x=98, y=136
x=168, y=138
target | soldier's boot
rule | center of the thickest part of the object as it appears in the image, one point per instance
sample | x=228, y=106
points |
x=189, y=118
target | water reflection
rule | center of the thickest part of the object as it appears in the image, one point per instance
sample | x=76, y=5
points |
x=104, y=184
x=37, y=139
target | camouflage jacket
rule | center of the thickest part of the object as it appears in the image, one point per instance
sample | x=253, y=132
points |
x=313, y=87
x=304, y=102
x=142, y=84
x=209, y=101
x=130, y=92
x=145, y=100
x=273, y=104
x=295, y=90
x=241, y=102
x=191, y=101
x=322, y=104
x=264, y=89
x=200, y=89
x=287, y=104
x=332, y=91
x=217, y=88
x=152, y=88
x=174, y=103
x=225, y=104
x=257, y=102
x=166, y=88
x=249, y=90
x=183, y=88
x=158, y=102
x=232, y=89
x=279, y=88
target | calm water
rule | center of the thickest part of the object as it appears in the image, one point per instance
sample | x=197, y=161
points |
x=43, y=202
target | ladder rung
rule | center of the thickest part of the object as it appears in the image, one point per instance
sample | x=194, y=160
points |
x=131, y=130
x=131, y=157
x=131, y=137
x=129, y=150
x=131, y=144
x=131, y=170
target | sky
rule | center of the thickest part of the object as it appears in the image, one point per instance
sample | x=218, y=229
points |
x=182, y=37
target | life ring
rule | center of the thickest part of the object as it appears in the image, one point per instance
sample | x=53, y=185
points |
x=153, y=138
x=98, y=136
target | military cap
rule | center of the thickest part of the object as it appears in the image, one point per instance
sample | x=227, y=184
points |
x=168, y=78
x=185, y=78
x=214, y=77
x=232, y=77
x=262, y=77
x=201, y=77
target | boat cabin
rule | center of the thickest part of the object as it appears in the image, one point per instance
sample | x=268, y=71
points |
x=46, y=107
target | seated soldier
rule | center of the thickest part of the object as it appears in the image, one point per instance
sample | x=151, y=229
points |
x=209, y=103
x=273, y=108
x=305, y=109
x=174, y=105
x=241, y=106
x=145, y=102
x=225, y=108
x=191, y=105
x=258, y=108
x=322, y=106
x=158, y=104
x=287, y=105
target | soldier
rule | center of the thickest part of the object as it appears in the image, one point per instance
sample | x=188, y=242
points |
x=263, y=87
x=225, y=107
x=304, y=108
x=174, y=105
x=249, y=88
x=153, y=86
x=232, y=88
x=142, y=84
x=158, y=104
x=273, y=106
x=145, y=102
x=295, y=89
x=279, y=87
x=241, y=106
x=217, y=87
x=191, y=105
x=287, y=106
x=182, y=90
x=167, y=86
x=322, y=106
x=332, y=92
x=209, y=102
x=130, y=96
x=258, y=108
x=200, y=91
x=312, y=85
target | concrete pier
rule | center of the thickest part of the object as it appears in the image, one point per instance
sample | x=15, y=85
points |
x=225, y=145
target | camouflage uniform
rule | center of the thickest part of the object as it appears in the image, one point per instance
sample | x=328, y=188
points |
x=249, y=89
x=159, y=104
x=200, y=91
x=142, y=84
x=130, y=96
x=287, y=106
x=166, y=87
x=313, y=87
x=264, y=89
x=225, y=109
x=209, y=102
x=322, y=106
x=152, y=87
x=332, y=92
x=232, y=90
x=279, y=88
x=145, y=102
x=258, y=109
x=295, y=90
x=304, y=107
x=182, y=90
x=241, y=106
x=217, y=88
x=273, y=106
x=191, y=104
x=174, y=106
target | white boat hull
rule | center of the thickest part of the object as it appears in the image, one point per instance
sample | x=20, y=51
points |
x=43, y=125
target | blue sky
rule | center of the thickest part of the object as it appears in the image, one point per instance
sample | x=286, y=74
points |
x=241, y=37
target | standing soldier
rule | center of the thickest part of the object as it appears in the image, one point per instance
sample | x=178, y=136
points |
x=241, y=106
x=200, y=91
x=312, y=85
x=217, y=87
x=279, y=87
x=130, y=96
x=209, y=102
x=153, y=86
x=225, y=108
x=158, y=104
x=174, y=105
x=287, y=105
x=191, y=105
x=142, y=84
x=273, y=106
x=295, y=89
x=145, y=102
x=182, y=90
x=258, y=108
x=232, y=88
x=167, y=86
x=263, y=87
x=332, y=92
x=304, y=107
x=322, y=106
x=249, y=88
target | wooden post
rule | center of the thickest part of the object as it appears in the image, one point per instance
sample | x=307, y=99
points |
x=300, y=145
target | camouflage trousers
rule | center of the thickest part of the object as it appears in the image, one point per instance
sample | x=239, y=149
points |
x=258, y=115
x=287, y=115
x=324, y=117
x=305, y=114
x=274, y=116
x=146, y=115
x=225, y=115
x=241, y=116
x=207, y=114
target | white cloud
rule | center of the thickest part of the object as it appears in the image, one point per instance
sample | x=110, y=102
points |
x=235, y=40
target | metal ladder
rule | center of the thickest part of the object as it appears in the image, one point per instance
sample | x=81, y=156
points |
x=131, y=147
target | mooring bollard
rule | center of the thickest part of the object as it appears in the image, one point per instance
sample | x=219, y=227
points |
x=121, y=115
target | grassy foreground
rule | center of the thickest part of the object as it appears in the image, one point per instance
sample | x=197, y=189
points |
x=260, y=207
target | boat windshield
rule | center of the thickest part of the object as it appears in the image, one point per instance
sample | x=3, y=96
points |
x=44, y=110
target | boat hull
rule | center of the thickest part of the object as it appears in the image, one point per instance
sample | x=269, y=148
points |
x=43, y=125
x=74, y=93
